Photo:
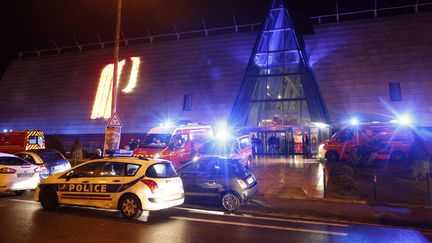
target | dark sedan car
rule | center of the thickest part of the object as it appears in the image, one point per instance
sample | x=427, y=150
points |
x=218, y=180
x=50, y=161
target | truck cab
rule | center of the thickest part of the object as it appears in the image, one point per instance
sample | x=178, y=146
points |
x=175, y=143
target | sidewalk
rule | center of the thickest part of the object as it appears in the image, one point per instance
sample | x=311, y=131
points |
x=418, y=217
x=294, y=186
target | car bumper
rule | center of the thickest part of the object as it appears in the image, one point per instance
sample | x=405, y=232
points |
x=162, y=202
x=7, y=183
x=249, y=192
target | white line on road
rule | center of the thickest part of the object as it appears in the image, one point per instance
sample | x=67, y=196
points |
x=21, y=200
x=192, y=210
x=262, y=226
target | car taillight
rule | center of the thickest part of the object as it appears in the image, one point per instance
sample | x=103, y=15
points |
x=241, y=183
x=151, y=184
x=42, y=168
x=7, y=170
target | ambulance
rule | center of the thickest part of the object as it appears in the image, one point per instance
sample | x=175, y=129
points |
x=175, y=143
x=391, y=140
x=18, y=141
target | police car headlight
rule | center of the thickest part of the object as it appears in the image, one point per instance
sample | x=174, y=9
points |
x=157, y=155
x=320, y=148
x=195, y=158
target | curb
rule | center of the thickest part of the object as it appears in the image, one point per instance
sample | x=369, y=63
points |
x=350, y=201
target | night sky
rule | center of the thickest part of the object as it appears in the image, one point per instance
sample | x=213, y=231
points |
x=41, y=21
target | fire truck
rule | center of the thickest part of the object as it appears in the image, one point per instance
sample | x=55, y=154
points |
x=175, y=143
x=390, y=140
x=18, y=141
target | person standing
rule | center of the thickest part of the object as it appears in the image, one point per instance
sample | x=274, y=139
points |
x=254, y=143
x=132, y=144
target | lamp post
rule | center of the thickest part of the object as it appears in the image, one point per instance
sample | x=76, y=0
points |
x=114, y=125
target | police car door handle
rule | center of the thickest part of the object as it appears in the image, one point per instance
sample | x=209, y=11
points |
x=116, y=180
x=85, y=181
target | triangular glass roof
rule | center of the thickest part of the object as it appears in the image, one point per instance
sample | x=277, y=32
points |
x=278, y=83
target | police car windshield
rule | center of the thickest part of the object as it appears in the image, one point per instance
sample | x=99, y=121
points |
x=156, y=140
x=216, y=147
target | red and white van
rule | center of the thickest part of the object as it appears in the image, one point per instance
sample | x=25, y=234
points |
x=175, y=143
x=393, y=141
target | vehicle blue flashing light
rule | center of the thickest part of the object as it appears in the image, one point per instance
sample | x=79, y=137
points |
x=354, y=121
x=167, y=123
x=405, y=120
x=119, y=152
x=223, y=133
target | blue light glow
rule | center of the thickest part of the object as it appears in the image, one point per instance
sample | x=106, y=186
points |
x=354, y=121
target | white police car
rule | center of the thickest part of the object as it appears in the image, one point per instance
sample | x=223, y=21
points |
x=128, y=184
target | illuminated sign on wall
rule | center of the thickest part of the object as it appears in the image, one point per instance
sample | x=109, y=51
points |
x=103, y=98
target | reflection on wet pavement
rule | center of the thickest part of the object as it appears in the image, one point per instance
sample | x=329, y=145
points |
x=289, y=177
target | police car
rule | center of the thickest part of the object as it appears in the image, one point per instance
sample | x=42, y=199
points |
x=17, y=175
x=128, y=184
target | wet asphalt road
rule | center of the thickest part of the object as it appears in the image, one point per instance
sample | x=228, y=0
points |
x=23, y=220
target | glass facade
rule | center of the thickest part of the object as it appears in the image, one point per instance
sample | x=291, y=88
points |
x=278, y=84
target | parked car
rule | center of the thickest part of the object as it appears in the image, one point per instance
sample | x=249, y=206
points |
x=224, y=181
x=233, y=148
x=50, y=161
x=17, y=175
x=128, y=184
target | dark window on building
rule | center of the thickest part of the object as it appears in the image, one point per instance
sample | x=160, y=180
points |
x=395, y=92
x=187, y=102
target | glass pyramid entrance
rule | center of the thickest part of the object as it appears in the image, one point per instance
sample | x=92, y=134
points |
x=278, y=83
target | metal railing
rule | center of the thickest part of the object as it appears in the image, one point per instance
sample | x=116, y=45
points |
x=318, y=19
x=126, y=41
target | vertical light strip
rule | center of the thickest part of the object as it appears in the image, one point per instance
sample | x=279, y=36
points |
x=133, y=75
x=103, y=99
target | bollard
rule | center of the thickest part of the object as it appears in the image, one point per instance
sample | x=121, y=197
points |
x=324, y=182
x=375, y=187
x=428, y=188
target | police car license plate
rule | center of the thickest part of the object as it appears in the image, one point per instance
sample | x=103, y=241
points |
x=25, y=174
x=250, y=180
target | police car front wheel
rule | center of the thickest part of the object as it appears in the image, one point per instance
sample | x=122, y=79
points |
x=130, y=206
x=48, y=198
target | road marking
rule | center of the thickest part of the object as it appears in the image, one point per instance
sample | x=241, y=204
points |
x=262, y=226
x=287, y=220
x=21, y=200
x=192, y=210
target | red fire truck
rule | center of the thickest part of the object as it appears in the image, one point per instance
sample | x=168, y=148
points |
x=391, y=141
x=175, y=143
x=17, y=141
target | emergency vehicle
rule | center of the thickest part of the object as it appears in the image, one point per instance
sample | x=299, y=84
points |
x=175, y=143
x=391, y=141
x=18, y=141
x=233, y=148
x=128, y=184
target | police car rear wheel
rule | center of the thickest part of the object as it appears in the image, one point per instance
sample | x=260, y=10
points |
x=48, y=198
x=130, y=207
